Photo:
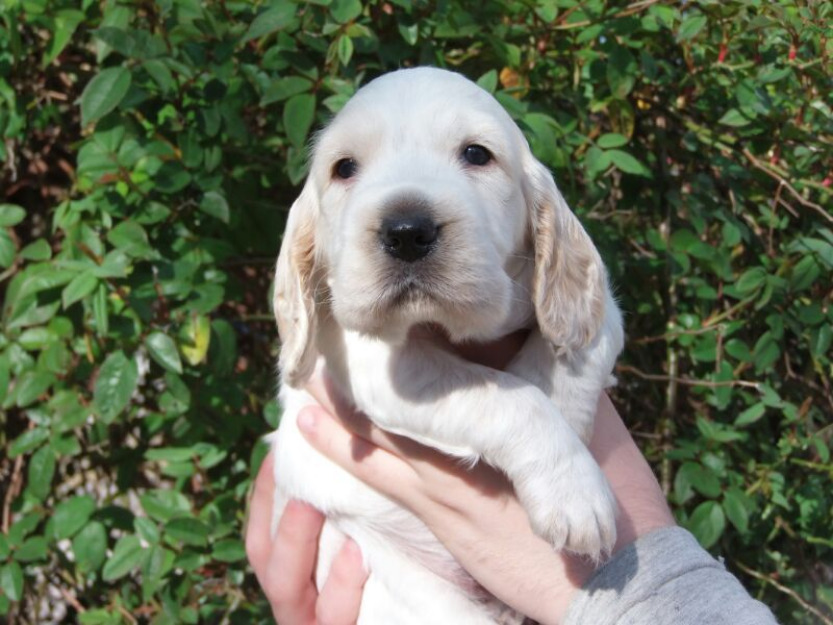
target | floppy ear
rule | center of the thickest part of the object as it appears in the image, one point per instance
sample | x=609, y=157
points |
x=294, y=300
x=569, y=281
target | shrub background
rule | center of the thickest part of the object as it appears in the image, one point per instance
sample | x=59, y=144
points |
x=151, y=150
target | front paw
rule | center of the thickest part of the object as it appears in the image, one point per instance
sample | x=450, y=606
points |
x=572, y=507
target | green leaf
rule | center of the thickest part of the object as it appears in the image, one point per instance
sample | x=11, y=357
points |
x=627, y=163
x=127, y=555
x=171, y=454
x=488, y=81
x=116, y=383
x=7, y=249
x=104, y=93
x=81, y=286
x=733, y=117
x=765, y=352
x=285, y=88
x=102, y=319
x=751, y=280
x=596, y=161
x=611, y=140
x=158, y=563
x=38, y=250
x=34, y=548
x=229, y=550
x=163, y=350
x=163, y=505
x=11, y=581
x=214, y=204
x=188, y=530
x=31, y=385
x=172, y=178
x=11, y=215
x=130, y=238
x=707, y=523
x=344, y=45
x=41, y=471
x=683, y=481
x=704, y=480
x=27, y=441
x=298, y=114
x=735, y=508
x=90, y=546
x=345, y=10
x=101, y=617
x=195, y=339
x=738, y=349
x=222, y=353
x=63, y=27
x=270, y=21
x=750, y=415
x=71, y=515
x=410, y=33
x=621, y=69
x=820, y=340
x=691, y=26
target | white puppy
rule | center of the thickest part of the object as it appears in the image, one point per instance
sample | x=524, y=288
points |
x=425, y=207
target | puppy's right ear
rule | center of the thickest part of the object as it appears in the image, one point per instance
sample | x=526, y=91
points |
x=294, y=300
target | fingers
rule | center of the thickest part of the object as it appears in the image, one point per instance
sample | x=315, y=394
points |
x=414, y=453
x=258, y=539
x=285, y=566
x=287, y=577
x=341, y=597
x=376, y=467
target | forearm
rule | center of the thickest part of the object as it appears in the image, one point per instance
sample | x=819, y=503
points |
x=665, y=577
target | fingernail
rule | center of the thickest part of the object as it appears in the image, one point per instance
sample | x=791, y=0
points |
x=352, y=548
x=307, y=420
x=352, y=551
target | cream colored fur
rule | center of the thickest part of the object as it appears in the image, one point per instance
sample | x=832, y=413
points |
x=510, y=255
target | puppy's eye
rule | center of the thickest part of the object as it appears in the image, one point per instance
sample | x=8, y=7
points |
x=477, y=155
x=345, y=168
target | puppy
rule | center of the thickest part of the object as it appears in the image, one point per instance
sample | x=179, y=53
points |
x=425, y=214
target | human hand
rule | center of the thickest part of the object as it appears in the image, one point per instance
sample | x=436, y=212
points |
x=474, y=512
x=285, y=565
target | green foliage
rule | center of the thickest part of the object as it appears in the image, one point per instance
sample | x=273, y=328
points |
x=151, y=151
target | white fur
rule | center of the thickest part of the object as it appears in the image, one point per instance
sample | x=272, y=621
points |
x=510, y=255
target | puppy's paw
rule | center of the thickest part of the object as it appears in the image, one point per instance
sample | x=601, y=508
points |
x=572, y=507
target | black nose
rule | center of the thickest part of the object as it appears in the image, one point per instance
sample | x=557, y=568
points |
x=409, y=237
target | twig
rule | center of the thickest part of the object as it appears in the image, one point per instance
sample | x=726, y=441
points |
x=71, y=599
x=12, y=493
x=787, y=591
x=636, y=7
x=775, y=176
x=130, y=618
x=673, y=335
x=688, y=381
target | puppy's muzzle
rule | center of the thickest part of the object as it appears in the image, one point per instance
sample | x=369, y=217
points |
x=409, y=237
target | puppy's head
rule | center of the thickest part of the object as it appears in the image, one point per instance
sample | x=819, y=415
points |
x=424, y=204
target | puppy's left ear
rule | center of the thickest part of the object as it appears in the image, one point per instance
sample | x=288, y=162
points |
x=569, y=282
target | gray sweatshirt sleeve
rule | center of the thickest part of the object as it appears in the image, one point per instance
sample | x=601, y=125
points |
x=665, y=577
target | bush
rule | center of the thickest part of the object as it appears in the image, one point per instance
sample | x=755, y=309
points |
x=152, y=150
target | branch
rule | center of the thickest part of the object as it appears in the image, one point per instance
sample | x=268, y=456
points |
x=787, y=591
x=12, y=493
x=631, y=9
x=653, y=377
x=775, y=176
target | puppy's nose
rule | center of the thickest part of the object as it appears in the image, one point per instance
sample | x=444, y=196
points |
x=408, y=237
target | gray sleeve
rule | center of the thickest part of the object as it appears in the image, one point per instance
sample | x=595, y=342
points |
x=665, y=577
